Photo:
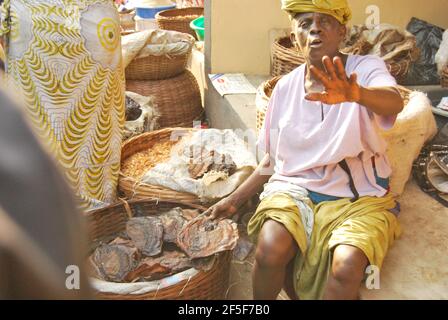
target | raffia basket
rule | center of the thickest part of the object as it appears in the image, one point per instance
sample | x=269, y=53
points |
x=104, y=225
x=158, y=67
x=444, y=77
x=179, y=19
x=264, y=93
x=178, y=100
x=134, y=189
x=285, y=57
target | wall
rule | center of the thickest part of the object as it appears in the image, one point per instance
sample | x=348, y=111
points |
x=240, y=29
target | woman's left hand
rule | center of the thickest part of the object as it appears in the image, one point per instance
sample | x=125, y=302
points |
x=338, y=87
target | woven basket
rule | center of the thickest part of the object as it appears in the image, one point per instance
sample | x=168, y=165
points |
x=179, y=19
x=264, y=93
x=158, y=67
x=134, y=189
x=127, y=22
x=178, y=100
x=285, y=57
x=104, y=225
x=444, y=77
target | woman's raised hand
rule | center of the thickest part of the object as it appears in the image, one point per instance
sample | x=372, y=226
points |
x=338, y=87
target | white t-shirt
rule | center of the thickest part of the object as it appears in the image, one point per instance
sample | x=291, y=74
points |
x=306, y=149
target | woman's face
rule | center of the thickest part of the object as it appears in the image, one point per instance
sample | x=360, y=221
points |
x=317, y=35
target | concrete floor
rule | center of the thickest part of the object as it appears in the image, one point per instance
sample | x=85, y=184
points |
x=416, y=266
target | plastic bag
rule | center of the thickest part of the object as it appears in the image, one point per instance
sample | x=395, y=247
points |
x=442, y=54
x=429, y=37
x=146, y=122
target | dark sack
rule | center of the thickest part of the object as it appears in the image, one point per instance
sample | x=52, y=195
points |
x=429, y=37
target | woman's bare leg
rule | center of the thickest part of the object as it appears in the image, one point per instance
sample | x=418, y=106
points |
x=275, y=249
x=347, y=271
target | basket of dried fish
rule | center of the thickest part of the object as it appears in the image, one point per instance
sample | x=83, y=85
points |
x=148, y=249
x=199, y=166
x=143, y=152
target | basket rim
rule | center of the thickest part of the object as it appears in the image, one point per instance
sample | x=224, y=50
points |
x=178, y=13
x=155, y=133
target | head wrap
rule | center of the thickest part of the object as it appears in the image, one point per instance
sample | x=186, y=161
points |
x=336, y=8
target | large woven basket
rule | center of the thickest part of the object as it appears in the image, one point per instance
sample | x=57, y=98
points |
x=264, y=93
x=444, y=77
x=179, y=19
x=134, y=189
x=158, y=67
x=285, y=57
x=104, y=225
x=178, y=100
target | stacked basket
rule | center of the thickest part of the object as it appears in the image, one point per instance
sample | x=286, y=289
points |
x=285, y=57
x=174, y=89
x=179, y=19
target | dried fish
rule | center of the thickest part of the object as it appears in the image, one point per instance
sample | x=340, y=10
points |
x=172, y=221
x=203, y=237
x=175, y=260
x=155, y=268
x=204, y=264
x=123, y=241
x=116, y=261
x=205, y=161
x=148, y=268
x=147, y=234
x=93, y=270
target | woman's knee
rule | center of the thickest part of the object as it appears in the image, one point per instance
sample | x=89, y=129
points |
x=349, y=264
x=276, y=246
